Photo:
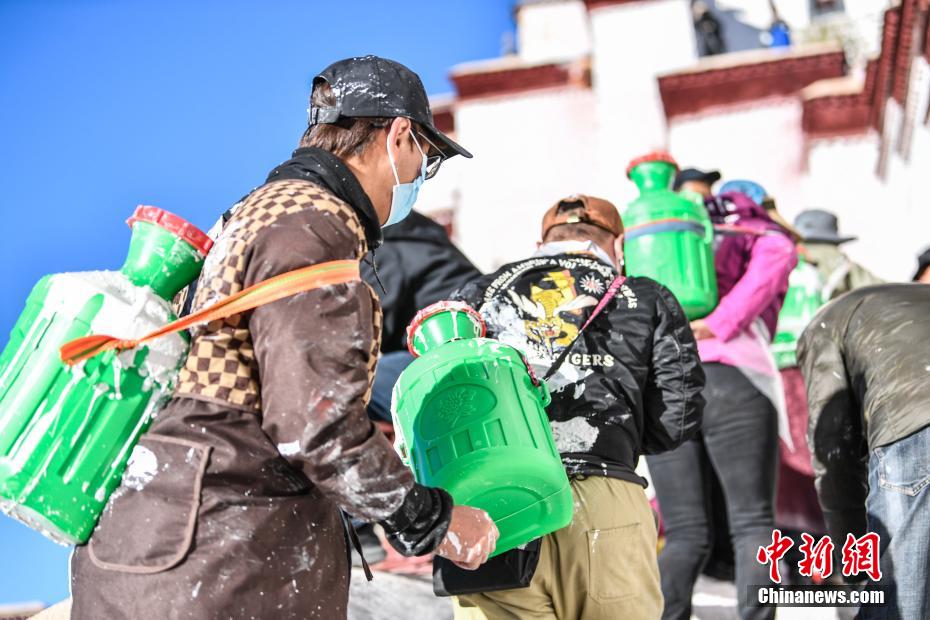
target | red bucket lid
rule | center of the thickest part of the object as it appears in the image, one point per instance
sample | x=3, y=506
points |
x=436, y=308
x=663, y=156
x=173, y=224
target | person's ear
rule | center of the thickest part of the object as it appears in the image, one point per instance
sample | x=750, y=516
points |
x=398, y=137
x=397, y=134
x=539, y=244
x=618, y=249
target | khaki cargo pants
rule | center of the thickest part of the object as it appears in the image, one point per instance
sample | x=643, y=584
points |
x=601, y=567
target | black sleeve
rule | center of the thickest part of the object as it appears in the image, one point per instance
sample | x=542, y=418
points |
x=674, y=405
x=839, y=452
x=445, y=271
x=472, y=293
x=422, y=521
x=415, y=272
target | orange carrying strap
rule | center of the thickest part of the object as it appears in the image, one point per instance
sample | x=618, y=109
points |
x=273, y=289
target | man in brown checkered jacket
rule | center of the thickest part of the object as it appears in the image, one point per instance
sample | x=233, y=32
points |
x=230, y=506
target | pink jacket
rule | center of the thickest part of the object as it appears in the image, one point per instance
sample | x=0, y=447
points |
x=752, y=279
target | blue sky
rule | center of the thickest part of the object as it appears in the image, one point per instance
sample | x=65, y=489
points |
x=184, y=105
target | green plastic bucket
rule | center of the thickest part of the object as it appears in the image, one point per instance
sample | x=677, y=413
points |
x=802, y=301
x=669, y=237
x=66, y=434
x=470, y=418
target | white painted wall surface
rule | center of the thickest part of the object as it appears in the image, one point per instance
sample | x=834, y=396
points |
x=884, y=215
x=761, y=141
x=536, y=147
x=899, y=228
x=441, y=192
x=553, y=31
x=890, y=215
x=865, y=18
x=918, y=214
x=530, y=150
x=632, y=43
x=841, y=178
x=764, y=142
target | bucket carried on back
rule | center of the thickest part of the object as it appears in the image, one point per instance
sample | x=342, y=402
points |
x=66, y=433
x=74, y=401
x=470, y=418
x=802, y=301
x=669, y=237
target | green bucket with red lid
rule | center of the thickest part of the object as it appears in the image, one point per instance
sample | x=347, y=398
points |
x=67, y=433
x=442, y=322
x=669, y=237
x=166, y=252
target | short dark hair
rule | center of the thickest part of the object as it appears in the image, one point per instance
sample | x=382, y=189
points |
x=348, y=137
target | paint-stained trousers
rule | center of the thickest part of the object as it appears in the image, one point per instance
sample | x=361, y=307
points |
x=601, y=567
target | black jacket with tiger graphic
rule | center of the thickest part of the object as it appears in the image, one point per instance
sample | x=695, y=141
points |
x=632, y=383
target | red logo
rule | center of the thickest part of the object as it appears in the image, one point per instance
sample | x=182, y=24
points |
x=860, y=555
x=817, y=562
x=773, y=553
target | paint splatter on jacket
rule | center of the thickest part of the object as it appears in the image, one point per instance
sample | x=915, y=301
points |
x=631, y=384
x=230, y=504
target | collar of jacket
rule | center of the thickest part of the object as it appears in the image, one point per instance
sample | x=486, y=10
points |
x=324, y=168
x=739, y=209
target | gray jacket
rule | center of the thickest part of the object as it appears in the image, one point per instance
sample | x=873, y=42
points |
x=866, y=362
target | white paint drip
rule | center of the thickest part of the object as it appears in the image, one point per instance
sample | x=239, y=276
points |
x=377, y=504
x=127, y=311
x=574, y=435
x=455, y=542
x=141, y=468
x=146, y=312
x=579, y=390
x=504, y=321
x=290, y=448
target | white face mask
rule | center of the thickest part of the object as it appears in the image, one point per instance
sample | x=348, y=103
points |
x=575, y=247
x=404, y=195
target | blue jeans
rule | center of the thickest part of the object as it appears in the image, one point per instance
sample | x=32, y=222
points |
x=898, y=509
x=390, y=365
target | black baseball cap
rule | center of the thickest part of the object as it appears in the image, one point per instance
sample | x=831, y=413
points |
x=374, y=86
x=693, y=174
